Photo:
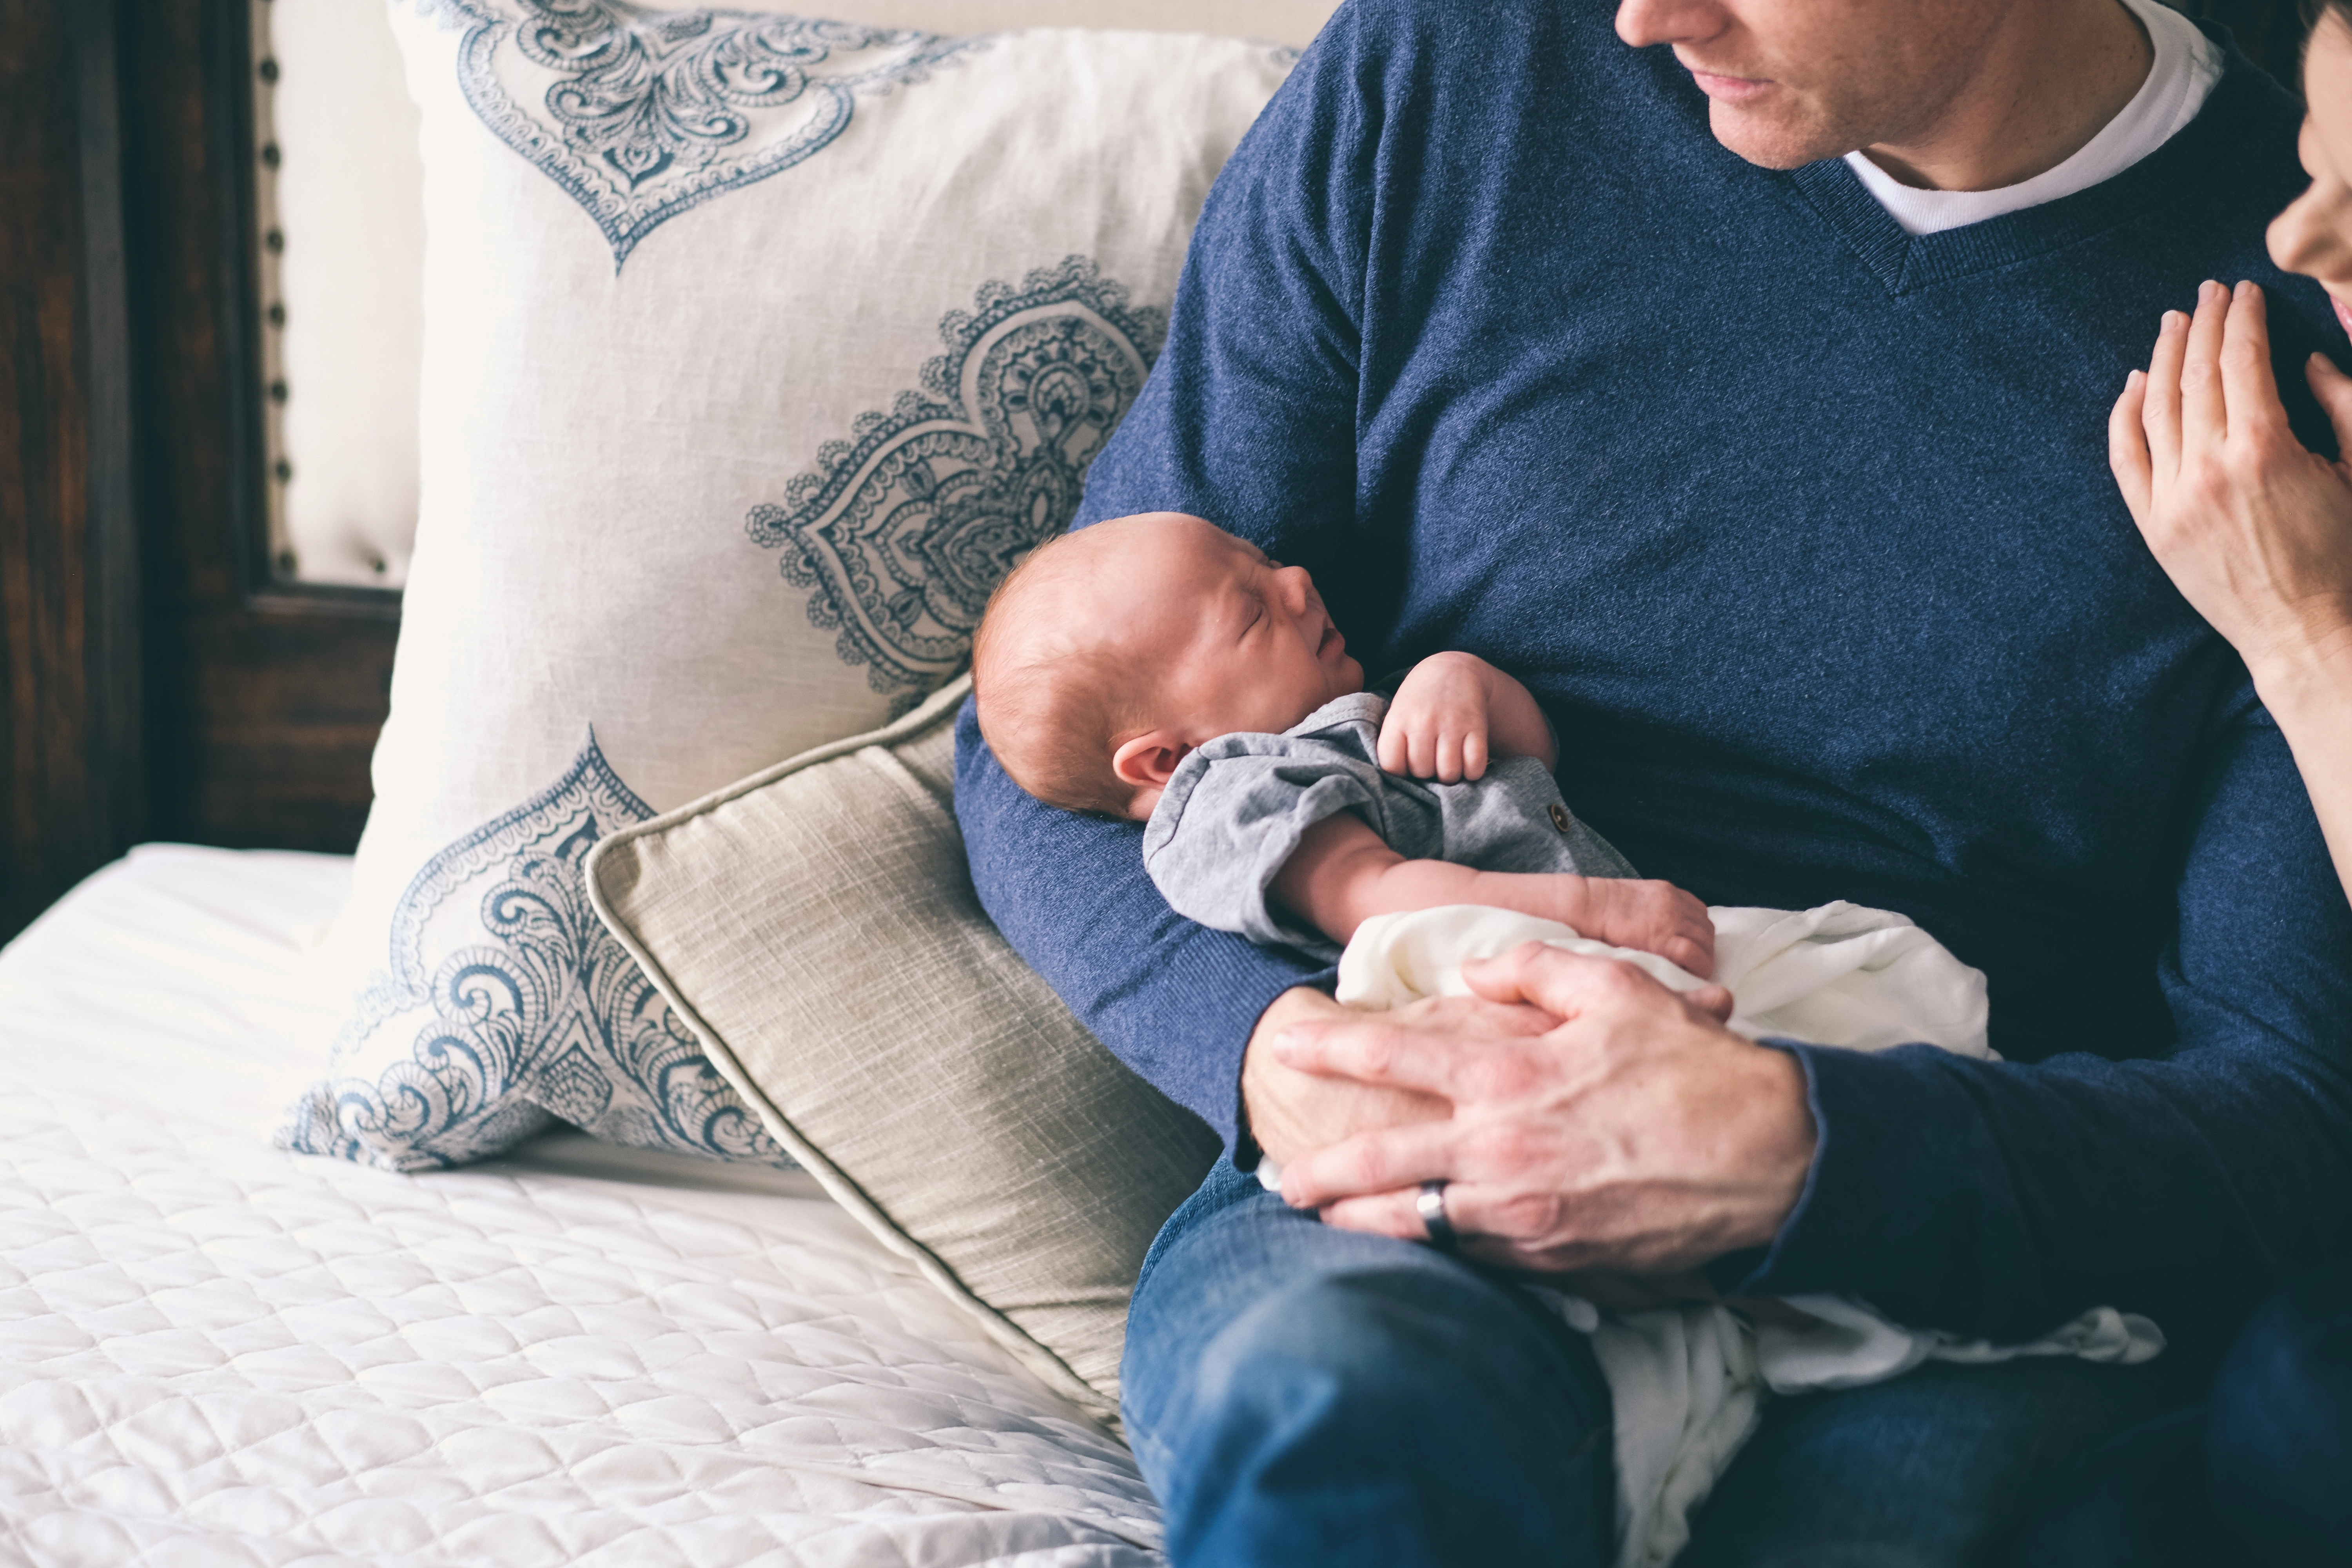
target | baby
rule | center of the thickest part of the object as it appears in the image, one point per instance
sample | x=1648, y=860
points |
x=1284, y=800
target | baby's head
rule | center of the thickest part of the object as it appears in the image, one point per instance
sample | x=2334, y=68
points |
x=1111, y=652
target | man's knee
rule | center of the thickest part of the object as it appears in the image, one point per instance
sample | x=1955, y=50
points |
x=1419, y=1415
x=2280, y=1443
x=1379, y=1355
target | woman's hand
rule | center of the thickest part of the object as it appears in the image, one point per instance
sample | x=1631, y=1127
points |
x=2255, y=531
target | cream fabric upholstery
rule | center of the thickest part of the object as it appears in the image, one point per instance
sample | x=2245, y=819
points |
x=816, y=927
x=349, y=200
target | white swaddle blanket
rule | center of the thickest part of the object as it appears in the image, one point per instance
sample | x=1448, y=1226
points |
x=1688, y=1383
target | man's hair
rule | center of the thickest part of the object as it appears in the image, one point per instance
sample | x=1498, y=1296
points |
x=1053, y=705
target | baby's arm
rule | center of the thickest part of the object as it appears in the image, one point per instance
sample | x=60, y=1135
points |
x=1343, y=874
x=1453, y=713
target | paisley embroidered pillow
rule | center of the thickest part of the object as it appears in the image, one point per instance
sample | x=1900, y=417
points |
x=757, y=349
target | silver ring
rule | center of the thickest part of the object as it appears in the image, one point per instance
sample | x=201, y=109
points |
x=1431, y=1206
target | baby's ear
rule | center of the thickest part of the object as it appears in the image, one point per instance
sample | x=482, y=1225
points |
x=1147, y=761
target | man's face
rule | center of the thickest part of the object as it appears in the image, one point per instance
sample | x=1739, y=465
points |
x=1794, y=82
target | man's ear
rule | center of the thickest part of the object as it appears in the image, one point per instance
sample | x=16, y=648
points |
x=1149, y=760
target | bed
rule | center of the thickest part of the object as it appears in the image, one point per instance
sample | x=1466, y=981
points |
x=215, y=1352
x=212, y=1349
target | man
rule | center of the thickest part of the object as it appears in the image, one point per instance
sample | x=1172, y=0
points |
x=1779, y=475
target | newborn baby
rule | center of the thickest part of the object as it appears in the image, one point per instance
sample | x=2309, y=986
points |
x=1284, y=800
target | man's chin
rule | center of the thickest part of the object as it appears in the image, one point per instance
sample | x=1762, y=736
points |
x=1767, y=140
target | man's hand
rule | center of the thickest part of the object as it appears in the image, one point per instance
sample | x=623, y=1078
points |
x=1292, y=1113
x=1636, y=1135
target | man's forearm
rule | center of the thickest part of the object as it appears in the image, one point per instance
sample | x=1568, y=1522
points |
x=1985, y=1197
x=1173, y=1000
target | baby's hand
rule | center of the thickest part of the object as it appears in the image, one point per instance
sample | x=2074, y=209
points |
x=1655, y=917
x=1437, y=725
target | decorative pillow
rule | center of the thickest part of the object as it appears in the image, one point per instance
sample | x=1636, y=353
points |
x=816, y=928
x=756, y=350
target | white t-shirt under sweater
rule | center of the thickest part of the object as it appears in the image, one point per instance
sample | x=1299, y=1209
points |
x=2188, y=64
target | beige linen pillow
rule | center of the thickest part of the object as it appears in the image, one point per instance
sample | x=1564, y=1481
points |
x=815, y=927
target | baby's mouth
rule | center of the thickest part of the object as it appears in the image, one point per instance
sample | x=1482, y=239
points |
x=1332, y=643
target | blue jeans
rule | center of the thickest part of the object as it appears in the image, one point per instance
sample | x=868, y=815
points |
x=2263, y=1474
x=2279, y=1447
x=1298, y=1394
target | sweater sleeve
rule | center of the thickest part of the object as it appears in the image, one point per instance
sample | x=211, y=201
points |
x=1175, y=1000
x=1249, y=420
x=1997, y=1199
x=1249, y=417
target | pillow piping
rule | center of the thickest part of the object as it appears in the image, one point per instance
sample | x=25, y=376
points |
x=605, y=859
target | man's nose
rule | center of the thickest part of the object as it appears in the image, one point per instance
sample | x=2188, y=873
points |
x=1641, y=23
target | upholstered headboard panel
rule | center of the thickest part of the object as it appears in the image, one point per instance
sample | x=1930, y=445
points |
x=342, y=213
x=172, y=685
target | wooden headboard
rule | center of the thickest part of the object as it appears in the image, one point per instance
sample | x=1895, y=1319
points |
x=156, y=682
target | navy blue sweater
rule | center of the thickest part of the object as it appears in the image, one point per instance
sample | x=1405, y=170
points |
x=1802, y=531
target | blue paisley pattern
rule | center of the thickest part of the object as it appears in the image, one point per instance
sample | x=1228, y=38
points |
x=546, y=1020
x=641, y=115
x=903, y=530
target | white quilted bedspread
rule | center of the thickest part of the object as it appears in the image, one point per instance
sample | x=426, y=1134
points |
x=214, y=1353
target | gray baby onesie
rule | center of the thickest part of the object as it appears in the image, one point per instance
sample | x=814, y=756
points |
x=1236, y=808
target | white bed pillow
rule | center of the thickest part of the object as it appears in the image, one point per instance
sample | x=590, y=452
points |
x=756, y=350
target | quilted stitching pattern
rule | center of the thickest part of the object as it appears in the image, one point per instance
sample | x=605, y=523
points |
x=215, y=1353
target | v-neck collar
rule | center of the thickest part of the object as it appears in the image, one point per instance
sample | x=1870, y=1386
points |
x=2198, y=157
